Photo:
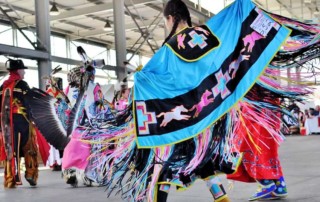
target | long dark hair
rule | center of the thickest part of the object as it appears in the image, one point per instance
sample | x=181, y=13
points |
x=179, y=11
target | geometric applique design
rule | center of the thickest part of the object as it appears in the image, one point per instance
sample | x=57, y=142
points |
x=192, y=43
x=221, y=86
x=216, y=188
x=197, y=40
x=216, y=191
x=164, y=187
x=180, y=40
x=145, y=118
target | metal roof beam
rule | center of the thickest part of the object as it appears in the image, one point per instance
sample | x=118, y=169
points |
x=287, y=8
x=34, y=55
x=101, y=31
x=66, y=60
x=84, y=11
x=23, y=52
x=200, y=14
x=18, y=9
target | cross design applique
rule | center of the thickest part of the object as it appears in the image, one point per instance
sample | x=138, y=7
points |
x=144, y=118
x=197, y=39
x=221, y=86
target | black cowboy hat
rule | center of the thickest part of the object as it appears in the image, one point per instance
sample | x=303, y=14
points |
x=15, y=64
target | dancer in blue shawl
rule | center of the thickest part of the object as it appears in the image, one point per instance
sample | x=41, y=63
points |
x=196, y=77
x=182, y=99
x=201, y=72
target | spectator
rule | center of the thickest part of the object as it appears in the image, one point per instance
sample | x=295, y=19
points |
x=313, y=112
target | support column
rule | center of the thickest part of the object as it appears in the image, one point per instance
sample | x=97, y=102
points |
x=15, y=36
x=120, y=38
x=68, y=50
x=43, y=42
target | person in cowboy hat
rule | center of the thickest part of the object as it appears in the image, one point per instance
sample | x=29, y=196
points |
x=17, y=137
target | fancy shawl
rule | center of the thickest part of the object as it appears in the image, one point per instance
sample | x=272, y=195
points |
x=202, y=72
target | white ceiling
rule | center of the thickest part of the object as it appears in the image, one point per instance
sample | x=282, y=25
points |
x=85, y=19
x=296, y=9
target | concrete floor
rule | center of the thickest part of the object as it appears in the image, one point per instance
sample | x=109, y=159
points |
x=300, y=158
